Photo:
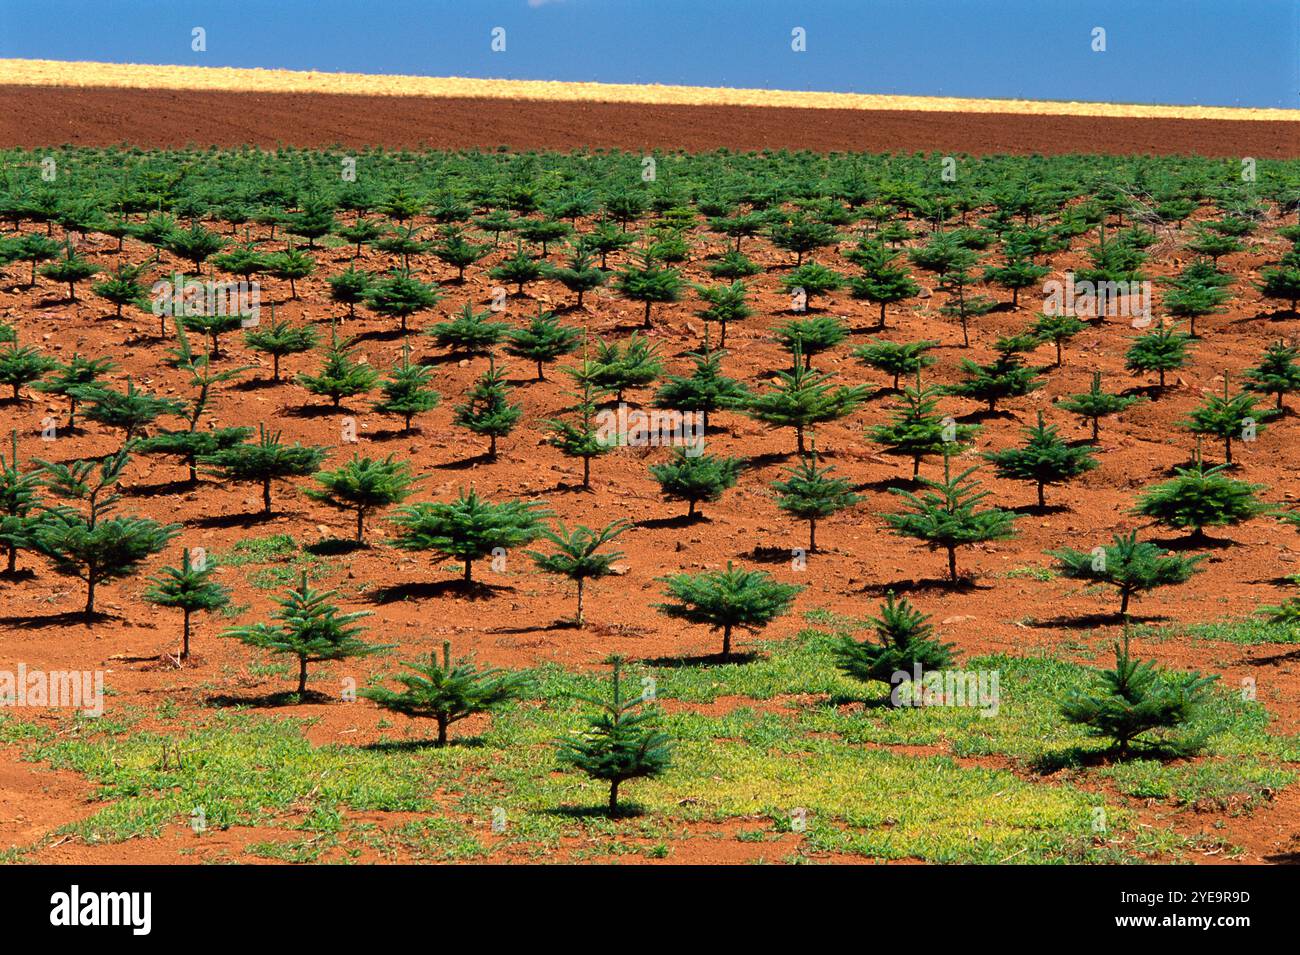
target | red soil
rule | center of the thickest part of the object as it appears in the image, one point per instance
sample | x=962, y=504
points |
x=42, y=116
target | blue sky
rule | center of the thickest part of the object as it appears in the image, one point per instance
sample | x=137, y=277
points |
x=1230, y=52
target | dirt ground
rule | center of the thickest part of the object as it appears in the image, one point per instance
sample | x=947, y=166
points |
x=42, y=116
x=416, y=601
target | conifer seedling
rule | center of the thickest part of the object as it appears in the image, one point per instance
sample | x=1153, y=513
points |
x=408, y=391
x=1095, y=404
x=811, y=494
x=309, y=627
x=264, y=462
x=578, y=556
x=905, y=644
x=1044, y=459
x=189, y=589
x=543, y=340
x=694, y=477
x=469, y=332
x=727, y=600
x=1277, y=373
x=917, y=430
x=364, y=485
x=341, y=375
x=469, y=528
x=1131, y=566
x=487, y=409
x=448, y=692
x=621, y=742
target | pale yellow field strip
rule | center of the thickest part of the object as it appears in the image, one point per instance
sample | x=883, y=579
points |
x=136, y=76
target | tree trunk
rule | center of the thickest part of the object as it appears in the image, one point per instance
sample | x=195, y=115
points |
x=812, y=536
x=613, y=797
x=469, y=566
x=266, y=497
x=442, y=731
x=952, y=564
x=302, y=675
x=361, y=516
x=646, y=322
x=581, y=582
x=726, y=641
x=1042, y=501
x=90, y=595
x=1123, y=602
x=586, y=472
x=185, y=639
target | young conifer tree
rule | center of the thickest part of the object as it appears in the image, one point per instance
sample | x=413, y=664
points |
x=948, y=516
x=1134, y=700
x=470, y=332
x=341, y=375
x=696, y=477
x=622, y=741
x=18, y=489
x=1044, y=459
x=542, y=341
x=1095, y=404
x=264, y=462
x=578, y=556
x=191, y=590
x=904, y=644
x=804, y=398
x=469, y=528
x=1228, y=416
x=364, y=485
x=917, y=430
x=811, y=494
x=1131, y=566
x=448, y=692
x=706, y=390
x=579, y=437
x=1199, y=497
x=727, y=600
x=1277, y=373
x=487, y=409
x=408, y=391
x=309, y=628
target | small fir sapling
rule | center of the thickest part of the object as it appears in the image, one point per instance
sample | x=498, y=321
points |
x=408, y=391
x=579, y=273
x=1131, y=566
x=579, y=437
x=190, y=589
x=811, y=336
x=470, y=332
x=364, y=485
x=266, y=461
x=896, y=358
x=803, y=398
x=811, y=494
x=1228, y=416
x=1277, y=373
x=694, y=477
x=469, y=528
x=724, y=304
x=543, y=340
x=400, y=296
x=1095, y=404
x=448, y=692
x=648, y=282
x=1199, y=497
x=1043, y=459
x=947, y=515
x=707, y=389
x=577, y=555
x=622, y=741
x=279, y=338
x=1162, y=351
x=734, y=599
x=18, y=489
x=917, y=429
x=309, y=627
x=905, y=644
x=487, y=409
x=341, y=374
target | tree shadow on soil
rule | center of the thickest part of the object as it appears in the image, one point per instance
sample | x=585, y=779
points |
x=474, y=590
x=628, y=811
x=1086, y=620
x=419, y=745
x=269, y=700
x=910, y=585
x=221, y=521
x=677, y=520
x=465, y=464
x=704, y=660
x=64, y=618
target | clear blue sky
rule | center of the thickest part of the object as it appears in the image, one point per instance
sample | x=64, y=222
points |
x=1229, y=52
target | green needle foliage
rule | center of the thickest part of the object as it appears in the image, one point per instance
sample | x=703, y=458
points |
x=363, y=485
x=802, y=235
x=1228, y=416
x=579, y=273
x=1277, y=373
x=469, y=332
x=1057, y=329
x=1200, y=497
x=291, y=264
x=1162, y=351
x=634, y=364
x=896, y=358
x=73, y=377
x=1282, y=283
x=400, y=296
x=1044, y=459
x=1005, y=377
x=811, y=494
x=408, y=391
x=732, y=265
x=727, y=600
x=1287, y=613
x=280, y=338
x=129, y=410
x=917, y=430
x=811, y=336
x=449, y=692
x=35, y=248
x=17, y=502
x=706, y=390
x=621, y=742
x=359, y=233
x=542, y=341
x=189, y=589
x=577, y=555
x=266, y=461
x=350, y=287
x=1131, y=566
x=70, y=270
x=88, y=543
x=521, y=268
x=882, y=282
x=195, y=245
x=724, y=304
x=579, y=438
x=649, y=282
x=470, y=527
x=243, y=260
x=487, y=409
x=904, y=644
x=1134, y=700
x=1095, y=404
x=694, y=477
x=21, y=365
x=309, y=627
x=457, y=251
x=804, y=398
x=814, y=279
x=341, y=375
x=948, y=516
x=122, y=287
